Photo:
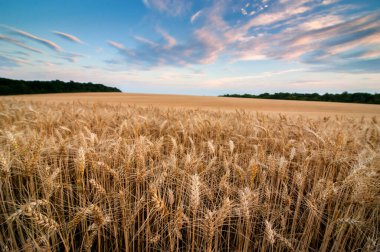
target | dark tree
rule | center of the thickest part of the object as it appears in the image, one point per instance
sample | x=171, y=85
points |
x=14, y=87
x=343, y=97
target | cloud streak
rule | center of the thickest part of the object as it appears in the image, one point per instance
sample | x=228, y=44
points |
x=45, y=42
x=68, y=37
x=195, y=16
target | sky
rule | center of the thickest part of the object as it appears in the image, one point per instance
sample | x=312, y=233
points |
x=202, y=47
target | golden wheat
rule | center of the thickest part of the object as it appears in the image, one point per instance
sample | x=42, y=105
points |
x=102, y=177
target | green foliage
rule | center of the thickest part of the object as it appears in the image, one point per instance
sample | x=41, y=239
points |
x=343, y=97
x=13, y=87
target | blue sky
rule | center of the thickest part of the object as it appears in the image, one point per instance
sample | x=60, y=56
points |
x=207, y=47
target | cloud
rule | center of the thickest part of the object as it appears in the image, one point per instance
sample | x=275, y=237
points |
x=68, y=37
x=170, y=7
x=42, y=41
x=170, y=41
x=319, y=22
x=353, y=40
x=215, y=37
x=319, y=40
x=60, y=53
x=195, y=16
x=328, y=2
x=19, y=43
x=278, y=13
x=311, y=32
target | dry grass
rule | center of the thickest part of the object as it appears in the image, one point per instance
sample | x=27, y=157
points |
x=110, y=178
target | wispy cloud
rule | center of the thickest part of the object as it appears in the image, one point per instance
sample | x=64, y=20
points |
x=170, y=7
x=45, y=42
x=68, y=37
x=195, y=16
x=19, y=43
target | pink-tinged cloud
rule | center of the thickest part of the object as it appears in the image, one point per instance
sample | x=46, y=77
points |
x=328, y=2
x=170, y=41
x=42, y=41
x=68, y=37
x=368, y=40
x=372, y=54
x=321, y=22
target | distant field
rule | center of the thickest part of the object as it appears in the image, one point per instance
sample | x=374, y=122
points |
x=208, y=102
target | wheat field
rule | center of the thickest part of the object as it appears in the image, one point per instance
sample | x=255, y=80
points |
x=106, y=177
x=308, y=108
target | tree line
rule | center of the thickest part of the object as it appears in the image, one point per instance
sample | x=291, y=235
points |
x=343, y=97
x=14, y=87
